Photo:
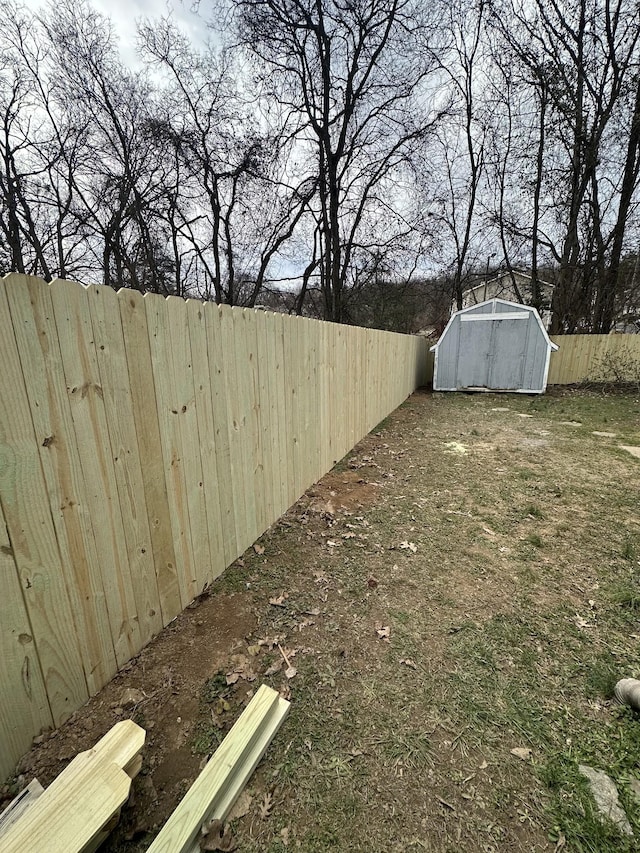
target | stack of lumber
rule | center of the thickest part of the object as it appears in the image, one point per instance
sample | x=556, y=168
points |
x=217, y=787
x=82, y=805
x=79, y=809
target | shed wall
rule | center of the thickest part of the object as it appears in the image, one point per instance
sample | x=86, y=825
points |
x=509, y=354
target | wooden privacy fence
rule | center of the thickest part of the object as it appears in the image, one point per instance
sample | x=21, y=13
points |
x=145, y=443
x=595, y=358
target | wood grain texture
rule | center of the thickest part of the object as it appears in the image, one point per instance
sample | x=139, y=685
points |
x=37, y=337
x=145, y=413
x=34, y=543
x=86, y=400
x=219, y=378
x=24, y=708
x=118, y=406
x=582, y=357
x=196, y=315
x=184, y=412
x=72, y=810
x=216, y=788
x=160, y=344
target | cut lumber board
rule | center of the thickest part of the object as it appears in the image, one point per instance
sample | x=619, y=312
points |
x=20, y=804
x=217, y=787
x=75, y=811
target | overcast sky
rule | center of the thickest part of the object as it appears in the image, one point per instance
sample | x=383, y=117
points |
x=125, y=14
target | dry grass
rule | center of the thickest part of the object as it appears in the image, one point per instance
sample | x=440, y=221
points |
x=502, y=554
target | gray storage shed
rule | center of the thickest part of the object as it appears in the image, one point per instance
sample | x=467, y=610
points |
x=494, y=346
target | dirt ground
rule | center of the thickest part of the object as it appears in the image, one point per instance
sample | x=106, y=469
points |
x=464, y=584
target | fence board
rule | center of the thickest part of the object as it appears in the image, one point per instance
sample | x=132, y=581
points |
x=117, y=398
x=145, y=413
x=183, y=409
x=218, y=381
x=24, y=709
x=196, y=313
x=160, y=342
x=86, y=397
x=39, y=351
x=33, y=539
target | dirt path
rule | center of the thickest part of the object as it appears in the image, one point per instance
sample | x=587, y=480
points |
x=466, y=583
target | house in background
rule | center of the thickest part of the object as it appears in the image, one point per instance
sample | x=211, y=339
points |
x=514, y=286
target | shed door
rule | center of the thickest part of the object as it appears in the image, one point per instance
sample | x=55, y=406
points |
x=492, y=350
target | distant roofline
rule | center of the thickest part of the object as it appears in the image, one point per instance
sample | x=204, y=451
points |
x=501, y=275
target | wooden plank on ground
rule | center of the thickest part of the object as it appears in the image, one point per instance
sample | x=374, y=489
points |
x=121, y=744
x=118, y=406
x=218, y=785
x=72, y=810
x=85, y=393
x=82, y=804
x=145, y=412
x=19, y=805
x=34, y=544
x=37, y=339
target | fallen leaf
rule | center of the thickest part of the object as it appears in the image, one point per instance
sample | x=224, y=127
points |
x=291, y=672
x=215, y=837
x=284, y=836
x=266, y=805
x=332, y=544
x=221, y=706
x=409, y=546
x=315, y=611
x=285, y=690
x=348, y=535
x=233, y=677
x=383, y=631
x=483, y=766
x=254, y=650
x=279, y=601
x=521, y=752
x=276, y=666
x=241, y=806
x=408, y=662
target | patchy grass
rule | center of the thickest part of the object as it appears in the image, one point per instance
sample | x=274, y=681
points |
x=443, y=609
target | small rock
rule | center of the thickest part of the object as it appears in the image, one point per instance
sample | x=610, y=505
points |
x=605, y=794
x=130, y=697
x=521, y=752
x=604, y=434
x=634, y=451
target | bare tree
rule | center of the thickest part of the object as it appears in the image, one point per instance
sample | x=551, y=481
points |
x=347, y=76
